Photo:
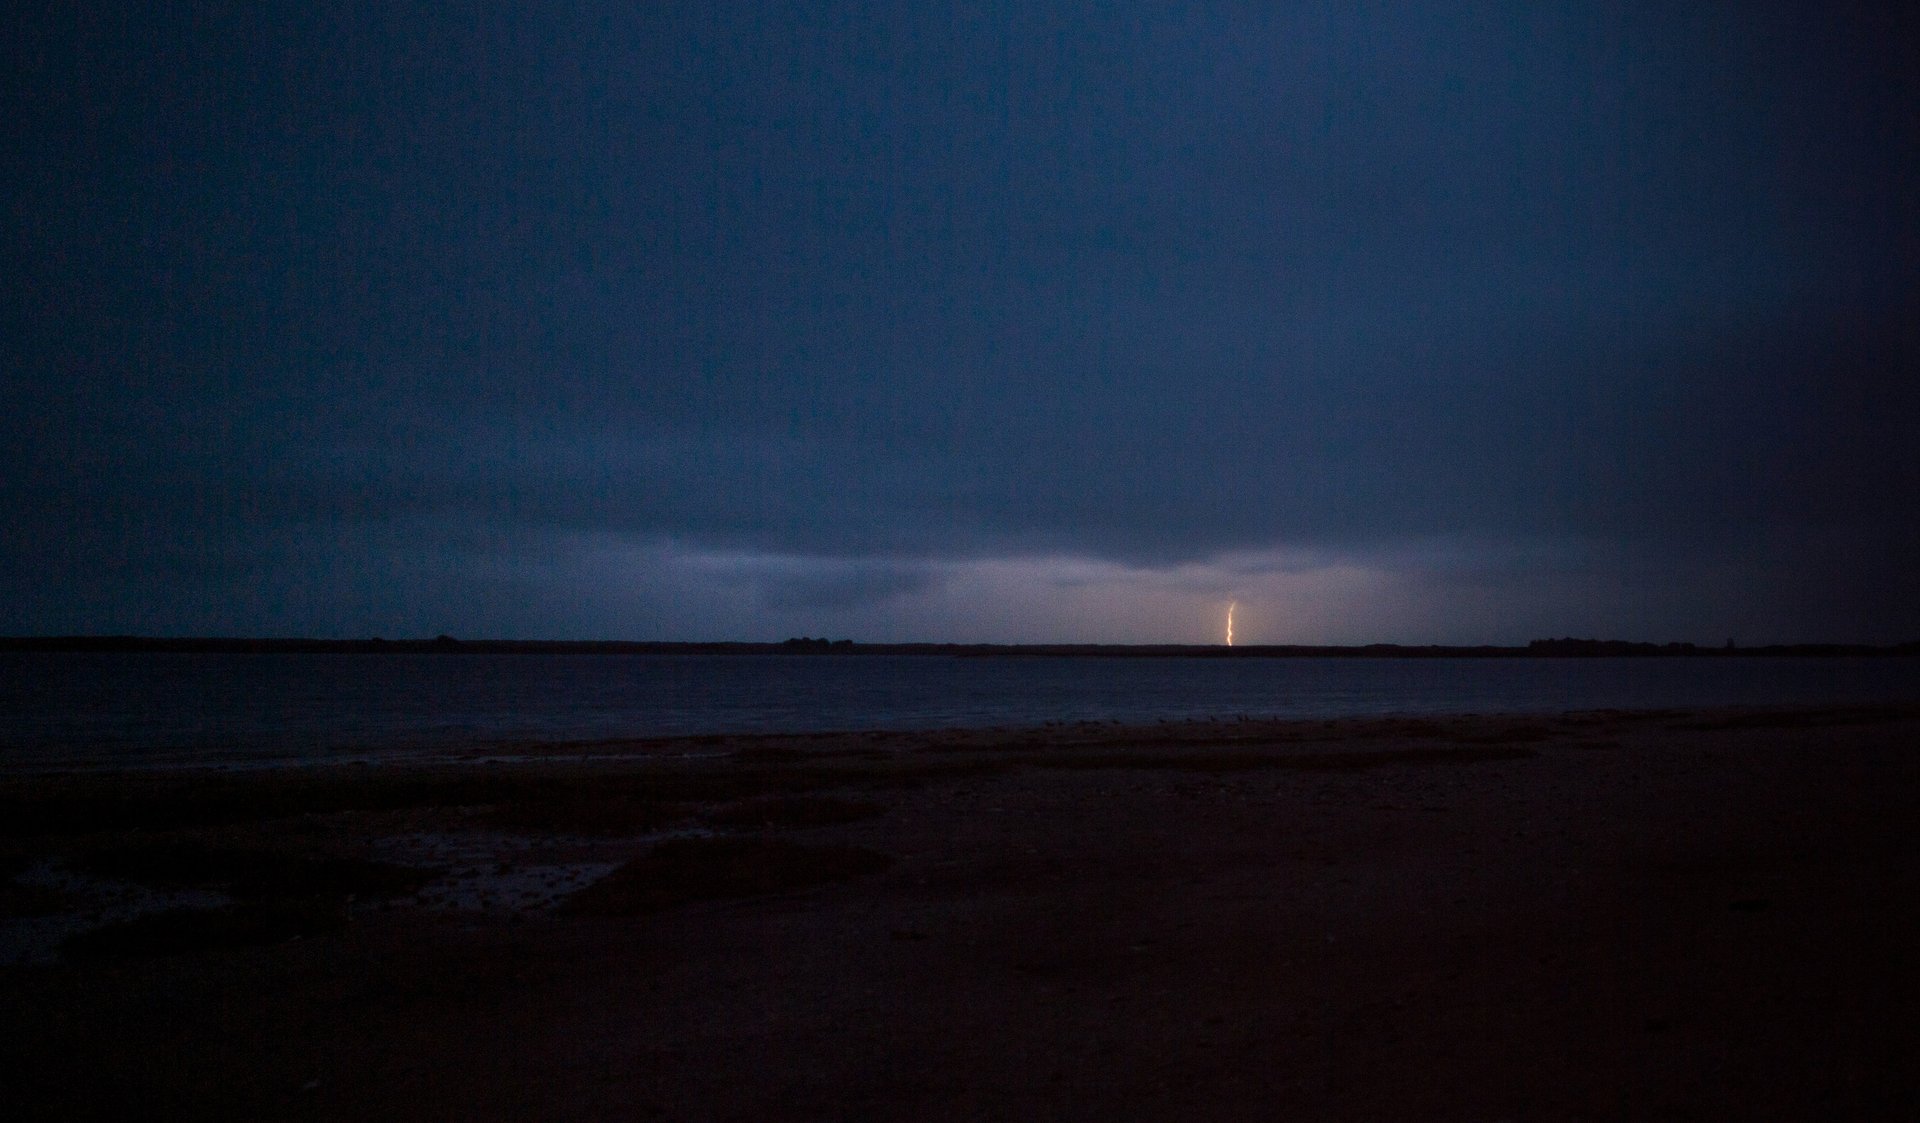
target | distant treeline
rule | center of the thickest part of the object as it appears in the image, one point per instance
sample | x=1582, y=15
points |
x=448, y=645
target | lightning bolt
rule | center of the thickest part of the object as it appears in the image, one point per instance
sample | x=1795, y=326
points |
x=1231, y=605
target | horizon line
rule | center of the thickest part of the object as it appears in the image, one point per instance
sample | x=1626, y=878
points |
x=1568, y=645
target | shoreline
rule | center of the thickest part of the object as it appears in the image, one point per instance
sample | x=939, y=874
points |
x=512, y=751
x=1654, y=913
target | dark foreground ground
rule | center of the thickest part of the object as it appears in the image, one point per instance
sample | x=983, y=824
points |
x=1606, y=916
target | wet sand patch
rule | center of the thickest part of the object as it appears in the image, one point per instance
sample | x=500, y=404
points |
x=685, y=870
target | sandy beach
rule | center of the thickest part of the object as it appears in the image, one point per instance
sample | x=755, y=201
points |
x=1675, y=915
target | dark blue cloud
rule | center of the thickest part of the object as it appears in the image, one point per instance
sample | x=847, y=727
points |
x=390, y=297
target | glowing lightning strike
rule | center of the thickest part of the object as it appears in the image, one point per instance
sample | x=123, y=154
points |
x=1231, y=605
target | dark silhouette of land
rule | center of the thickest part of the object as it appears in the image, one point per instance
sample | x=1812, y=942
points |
x=1671, y=915
x=447, y=645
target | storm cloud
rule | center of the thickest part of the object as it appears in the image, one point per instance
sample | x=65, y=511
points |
x=1452, y=322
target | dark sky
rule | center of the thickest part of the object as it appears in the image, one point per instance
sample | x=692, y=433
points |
x=1456, y=322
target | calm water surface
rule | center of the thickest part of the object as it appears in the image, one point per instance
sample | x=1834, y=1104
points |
x=132, y=709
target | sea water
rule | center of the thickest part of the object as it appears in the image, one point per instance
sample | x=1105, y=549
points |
x=134, y=709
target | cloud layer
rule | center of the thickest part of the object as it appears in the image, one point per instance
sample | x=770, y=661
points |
x=1461, y=323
